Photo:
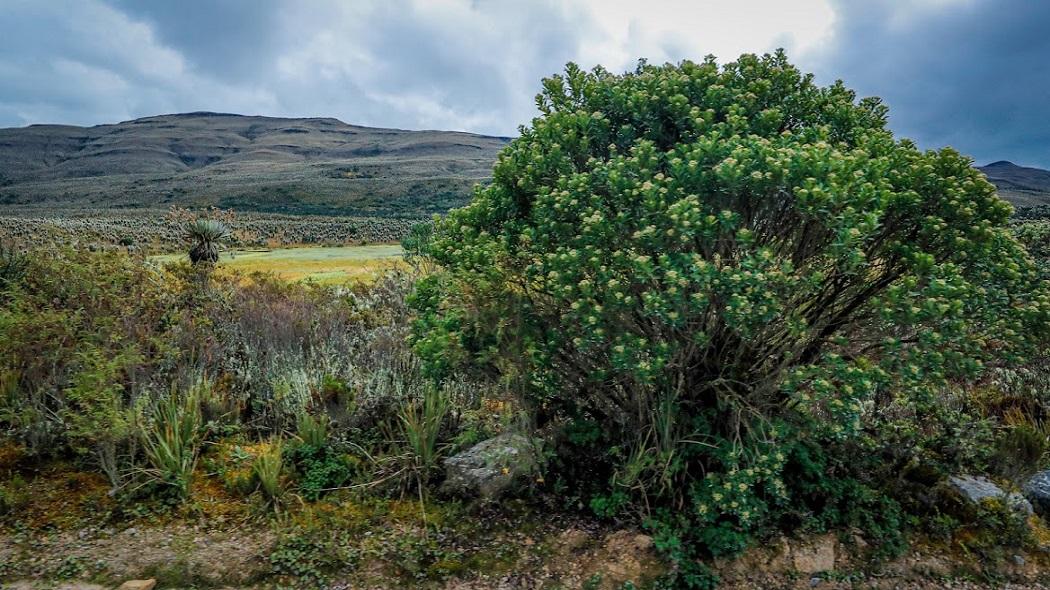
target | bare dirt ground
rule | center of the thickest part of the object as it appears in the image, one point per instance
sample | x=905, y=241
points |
x=182, y=556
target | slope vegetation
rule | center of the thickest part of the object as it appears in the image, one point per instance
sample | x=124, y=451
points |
x=244, y=162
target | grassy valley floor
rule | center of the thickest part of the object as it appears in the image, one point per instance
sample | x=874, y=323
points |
x=322, y=264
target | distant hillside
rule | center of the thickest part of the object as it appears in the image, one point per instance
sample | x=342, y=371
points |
x=276, y=165
x=1024, y=187
x=321, y=166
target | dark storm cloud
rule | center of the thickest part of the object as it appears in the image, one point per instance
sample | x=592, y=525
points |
x=974, y=75
x=87, y=62
x=228, y=38
x=402, y=63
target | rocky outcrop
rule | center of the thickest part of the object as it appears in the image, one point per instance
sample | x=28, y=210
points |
x=492, y=467
x=1037, y=491
x=975, y=490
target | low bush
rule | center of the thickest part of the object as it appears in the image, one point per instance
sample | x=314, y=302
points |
x=107, y=358
x=728, y=269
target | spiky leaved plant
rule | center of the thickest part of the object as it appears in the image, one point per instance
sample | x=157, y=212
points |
x=172, y=441
x=207, y=236
x=266, y=471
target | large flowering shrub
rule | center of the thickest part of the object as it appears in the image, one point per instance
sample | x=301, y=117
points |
x=701, y=258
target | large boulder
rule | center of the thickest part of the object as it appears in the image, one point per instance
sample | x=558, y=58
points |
x=974, y=490
x=1037, y=491
x=492, y=467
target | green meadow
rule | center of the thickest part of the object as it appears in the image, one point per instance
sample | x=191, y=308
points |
x=322, y=264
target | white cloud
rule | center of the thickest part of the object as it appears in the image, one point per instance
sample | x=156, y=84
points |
x=458, y=64
x=670, y=30
x=476, y=65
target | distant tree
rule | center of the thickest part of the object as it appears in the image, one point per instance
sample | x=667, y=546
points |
x=416, y=246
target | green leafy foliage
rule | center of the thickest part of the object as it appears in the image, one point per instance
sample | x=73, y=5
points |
x=83, y=336
x=308, y=557
x=171, y=441
x=321, y=468
x=1035, y=235
x=723, y=266
x=13, y=265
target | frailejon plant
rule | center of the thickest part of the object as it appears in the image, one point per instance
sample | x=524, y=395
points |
x=709, y=261
x=207, y=236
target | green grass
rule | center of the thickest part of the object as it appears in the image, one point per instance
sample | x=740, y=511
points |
x=322, y=264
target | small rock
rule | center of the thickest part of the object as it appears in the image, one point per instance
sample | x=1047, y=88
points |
x=976, y=489
x=1018, y=560
x=149, y=584
x=859, y=542
x=814, y=582
x=573, y=539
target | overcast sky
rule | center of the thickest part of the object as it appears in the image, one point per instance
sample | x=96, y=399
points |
x=974, y=74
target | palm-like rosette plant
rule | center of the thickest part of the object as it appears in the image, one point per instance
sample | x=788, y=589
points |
x=207, y=236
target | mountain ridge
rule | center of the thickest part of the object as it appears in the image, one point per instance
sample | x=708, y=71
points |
x=1026, y=187
x=298, y=165
x=248, y=162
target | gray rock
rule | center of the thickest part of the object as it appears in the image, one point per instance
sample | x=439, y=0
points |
x=492, y=467
x=976, y=489
x=1037, y=490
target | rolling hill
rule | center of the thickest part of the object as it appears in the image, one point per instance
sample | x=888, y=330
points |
x=277, y=165
x=280, y=165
